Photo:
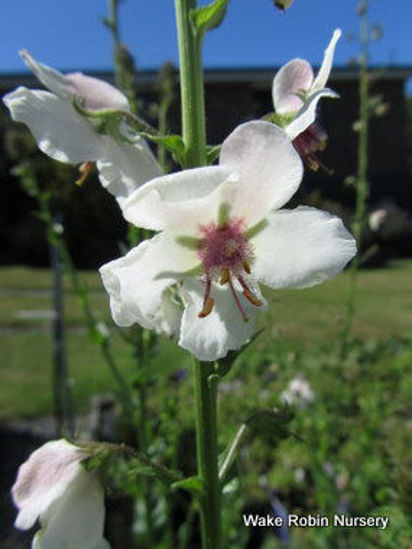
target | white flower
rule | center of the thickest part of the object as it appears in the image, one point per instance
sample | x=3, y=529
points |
x=65, y=135
x=220, y=235
x=299, y=392
x=54, y=487
x=296, y=91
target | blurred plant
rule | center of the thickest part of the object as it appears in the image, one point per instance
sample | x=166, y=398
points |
x=360, y=182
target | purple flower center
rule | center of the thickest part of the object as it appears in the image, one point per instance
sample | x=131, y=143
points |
x=224, y=247
x=225, y=252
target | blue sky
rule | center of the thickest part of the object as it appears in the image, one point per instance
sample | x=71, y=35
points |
x=68, y=34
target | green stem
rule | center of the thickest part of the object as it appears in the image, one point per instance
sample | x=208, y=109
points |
x=362, y=186
x=205, y=381
x=207, y=451
x=191, y=86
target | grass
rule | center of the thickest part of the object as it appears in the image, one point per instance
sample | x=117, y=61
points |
x=350, y=448
x=295, y=318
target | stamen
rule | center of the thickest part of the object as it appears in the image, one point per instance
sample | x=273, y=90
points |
x=250, y=296
x=224, y=276
x=207, y=307
x=208, y=301
x=84, y=170
x=236, y=299
x=246, y=266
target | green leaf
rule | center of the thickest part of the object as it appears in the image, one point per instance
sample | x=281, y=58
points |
x=194, y=485
x=208, y=17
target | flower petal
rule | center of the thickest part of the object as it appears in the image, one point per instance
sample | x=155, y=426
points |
x=307, y=114
x=179, y=202
x=292, y=78
x=222, y=330
x=59, y=131
x=136, y=281
x=300, y=248
x=53, y=80
x=326, y=67
x=123, y=167
x=269, y=169
x=97, y=94
x=43, y=478
x=77, y=518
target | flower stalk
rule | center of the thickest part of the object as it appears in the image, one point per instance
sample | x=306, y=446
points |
x=361, y=184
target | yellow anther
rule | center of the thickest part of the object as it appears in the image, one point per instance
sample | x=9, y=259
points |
x=224, y=276
x=252, y=298
x=246, y=266
x=84, y=170
x=207, y=308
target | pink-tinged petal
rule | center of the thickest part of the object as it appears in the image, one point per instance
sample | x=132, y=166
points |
x=293, y=78
x=268, y=166
x=223, y=330
x=59, y=131
x=178, y=202
x=136, y=282
x=326, y=67
x=76, y=520
x=307, y=114
x=97, y=94
x=124, y=167
x=43, y=479
x=300, y=248
x=53, y=80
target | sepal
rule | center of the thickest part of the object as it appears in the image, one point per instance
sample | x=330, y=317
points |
x=205, y=18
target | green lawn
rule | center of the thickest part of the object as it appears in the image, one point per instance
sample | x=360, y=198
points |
x=295, y=318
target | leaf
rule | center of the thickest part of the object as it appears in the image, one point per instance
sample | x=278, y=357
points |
x=194, y=485
x=208, y=17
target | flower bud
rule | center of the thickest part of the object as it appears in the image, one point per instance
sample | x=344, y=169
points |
x=283, y=4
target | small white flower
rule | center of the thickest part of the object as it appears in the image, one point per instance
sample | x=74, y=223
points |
x=55, y=488
x=220, y=235
x=299, y=392
x=65, y=135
